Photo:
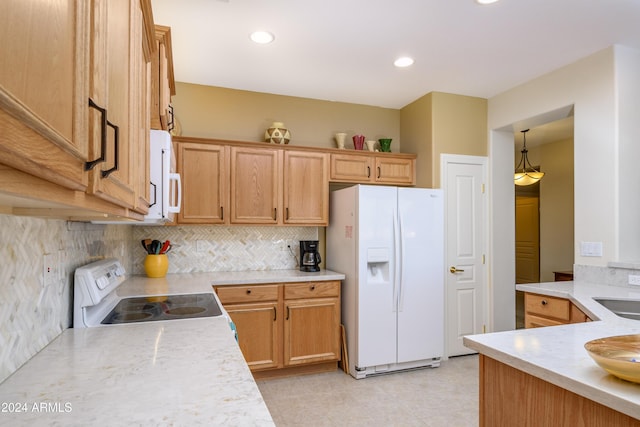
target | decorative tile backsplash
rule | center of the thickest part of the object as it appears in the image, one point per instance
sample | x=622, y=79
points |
x=32, y=315
x=219, y=248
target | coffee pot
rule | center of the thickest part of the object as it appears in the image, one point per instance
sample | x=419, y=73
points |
x=309, y=256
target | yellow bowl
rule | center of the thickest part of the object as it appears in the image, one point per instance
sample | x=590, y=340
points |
x=619, y=355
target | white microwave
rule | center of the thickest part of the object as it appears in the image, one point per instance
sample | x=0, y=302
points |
x=165, y=194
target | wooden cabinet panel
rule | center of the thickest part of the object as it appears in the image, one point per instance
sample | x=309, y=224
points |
x=306, y=188
x=547, y=306
x=311, y=331
x=304, y=317
x=510, y=397
x=391, y=170
x=311, y=290
x=255, y=185
x=114, y=24
x=44, y=89
x=204, y=175
x=252, y=293
x=543, y=310
x=258, y=333
x=349, y=168
x=372, y=169
x=162, y=80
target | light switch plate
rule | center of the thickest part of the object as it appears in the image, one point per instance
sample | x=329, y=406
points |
x=591, y=248
x=634, y=279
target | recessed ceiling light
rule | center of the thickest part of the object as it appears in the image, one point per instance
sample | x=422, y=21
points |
x=486, y=1
x=262, y=37
x=405, y=61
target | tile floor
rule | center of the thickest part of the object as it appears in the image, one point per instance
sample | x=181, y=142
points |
x=446, y=396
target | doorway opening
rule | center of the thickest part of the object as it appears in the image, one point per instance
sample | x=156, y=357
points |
x=544, y=212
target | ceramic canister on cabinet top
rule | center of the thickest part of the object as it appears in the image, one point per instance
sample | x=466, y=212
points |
x=277, y=134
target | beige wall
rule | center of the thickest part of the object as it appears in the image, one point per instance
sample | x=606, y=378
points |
x=214, y=112
x=416, y=128
x=441, y=123
x=556, y=208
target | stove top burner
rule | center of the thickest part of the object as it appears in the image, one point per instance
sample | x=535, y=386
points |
x=146, y=309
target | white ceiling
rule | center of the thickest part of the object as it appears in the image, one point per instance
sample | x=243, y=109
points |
x=343, y=50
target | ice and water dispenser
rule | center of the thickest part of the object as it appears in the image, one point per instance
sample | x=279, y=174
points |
x=378, y=265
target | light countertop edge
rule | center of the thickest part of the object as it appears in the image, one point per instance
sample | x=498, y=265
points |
x=189, y=283
x=556, y=354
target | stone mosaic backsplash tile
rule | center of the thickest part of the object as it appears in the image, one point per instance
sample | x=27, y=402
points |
x=32, y=315
x=219, y=248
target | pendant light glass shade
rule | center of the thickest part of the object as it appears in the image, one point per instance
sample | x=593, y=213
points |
x=525, y=174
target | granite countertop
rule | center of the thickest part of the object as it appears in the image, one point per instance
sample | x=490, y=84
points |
x=180, y=372
x=556, y=354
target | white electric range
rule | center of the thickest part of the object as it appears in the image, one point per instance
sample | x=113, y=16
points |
x=103, y=296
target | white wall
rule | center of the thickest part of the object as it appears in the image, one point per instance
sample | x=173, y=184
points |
x=604, y=92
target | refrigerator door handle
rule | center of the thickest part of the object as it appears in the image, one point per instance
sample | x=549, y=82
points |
x=396, y=263
x=399, y=265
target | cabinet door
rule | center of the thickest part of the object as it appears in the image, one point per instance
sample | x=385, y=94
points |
x=311, y=331
x=162, y=83
x=395, y=170
x=306, y=188
x=258, y=329
x=112, y=179
x=255, y=186
x=140, y=105
x=44, y=89
x=351, y=168
x=203, y=170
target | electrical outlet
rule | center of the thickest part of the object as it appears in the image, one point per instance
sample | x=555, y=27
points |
x=634, y=279
x=50, y=270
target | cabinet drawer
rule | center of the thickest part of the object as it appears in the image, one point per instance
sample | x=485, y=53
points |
x=546, y=306
x=311, y=290
x=250, y=293
x=531, y=321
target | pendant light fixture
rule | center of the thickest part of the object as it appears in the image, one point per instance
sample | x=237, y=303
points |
x=525, y=174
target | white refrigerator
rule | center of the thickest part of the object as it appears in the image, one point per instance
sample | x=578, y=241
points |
x=389, y=243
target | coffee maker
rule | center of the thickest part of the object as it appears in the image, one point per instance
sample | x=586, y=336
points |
x=309, y=256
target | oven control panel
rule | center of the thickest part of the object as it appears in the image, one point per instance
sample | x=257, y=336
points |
x=95, y=281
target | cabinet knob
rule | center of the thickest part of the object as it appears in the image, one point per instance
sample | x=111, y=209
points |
x=544, y=302
x=313, y=287
x=248, y=291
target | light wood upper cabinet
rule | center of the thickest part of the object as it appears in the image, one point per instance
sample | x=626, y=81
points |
x=74, y=107
x=393, y=170
x=204, y=172
x=255, y=185
x=163, y=85
x=115, y=25
x=44, y=87
x=365, y=168
x=306, y=188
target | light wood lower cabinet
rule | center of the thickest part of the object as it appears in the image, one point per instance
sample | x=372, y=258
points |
x=510, y=397
x=543, y=310
x=312, y=322
x=285, y=329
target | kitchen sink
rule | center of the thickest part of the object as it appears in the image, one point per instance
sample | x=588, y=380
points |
x=628, y=308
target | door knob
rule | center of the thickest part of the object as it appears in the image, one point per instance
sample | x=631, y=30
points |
x=454, y=270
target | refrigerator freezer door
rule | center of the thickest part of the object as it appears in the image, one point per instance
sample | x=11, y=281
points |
x=421, y=293
x=377, y=332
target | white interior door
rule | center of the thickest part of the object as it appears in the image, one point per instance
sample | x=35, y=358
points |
x=465, y=222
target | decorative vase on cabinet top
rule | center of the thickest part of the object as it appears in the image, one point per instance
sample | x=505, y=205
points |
x=277, y=134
